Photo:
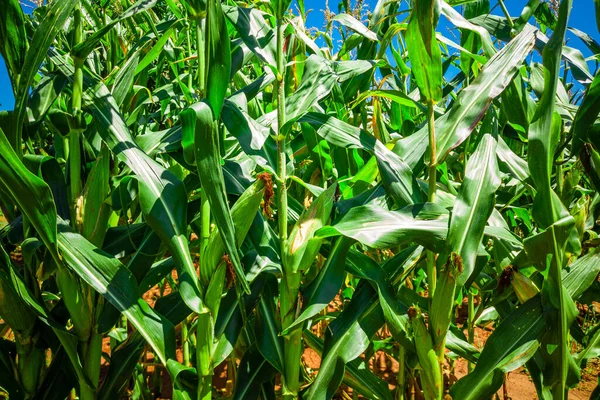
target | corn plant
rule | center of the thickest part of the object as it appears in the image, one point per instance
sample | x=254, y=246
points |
x=202, y=188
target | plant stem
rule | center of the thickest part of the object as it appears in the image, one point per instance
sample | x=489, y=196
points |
x=290, y=281
x=184, y=341
x=188, y=41
x=292, y=346
x=201, y=56
x=281, y=142
x=560, y=179
x=74, y=140
x=401, y=373
x=559, y=389
x=92, y=351
x=204, y=221
x=431, y=256
x=471, y=324
x=204, y=344
x=431, y=272
x=506, y=13
x=204, y=324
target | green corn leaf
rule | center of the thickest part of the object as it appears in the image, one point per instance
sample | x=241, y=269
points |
x=198, y=122
x=425, y=224
x=522, y=326
x=396, y=174
x=499, y=27
x=586, y=116
x=327, y=284
x=43, y=97
x=15, y=312
x=158, y=47
x=31, y=195
x=319, y=79
x=57, y=383
x=254, y=31
x=124, y=79
x=517, y=166
x=457, y=124
x=350, y=22
x=252, y=372
x=546, y=250
x=350, y=332
x=511, y=344
x=162, y=196
x=473, y=206
x=243, y=213
x=469, y=39
x=348, y=345
x=592, y=349
x=268, y=328
x=51, y=172
x=423, y=50
x=394, y=95
x=95, y=192
x=581, y=274
x=13, y=39
x=83, y=49
x=110, y=278
x=124, y=358
x=229, y=322
x=357, y=376
x=218, y=57
x=544, y=135
x=461, y=22
x=44, y=35
x=280, y=7
x=67, y=339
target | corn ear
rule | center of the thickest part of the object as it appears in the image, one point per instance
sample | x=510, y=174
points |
x=524, y=287
x=440, y=314
x=431, y=377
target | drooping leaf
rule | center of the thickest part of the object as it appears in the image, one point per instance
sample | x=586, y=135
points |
x=108, y=277
x=396, y=174
x=162, y=196
x=218, y=57
x=30, y=193
x=198, y=122
x=350, y=22
x=513, y=342
x=469, y=108
x=423, y=50
x=254, y=31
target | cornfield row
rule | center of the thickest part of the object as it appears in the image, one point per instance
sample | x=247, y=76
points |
x=196, y=189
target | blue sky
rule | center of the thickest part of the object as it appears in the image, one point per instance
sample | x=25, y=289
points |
x=582, y=18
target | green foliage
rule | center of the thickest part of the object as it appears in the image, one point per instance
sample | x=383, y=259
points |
x=209, y=184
